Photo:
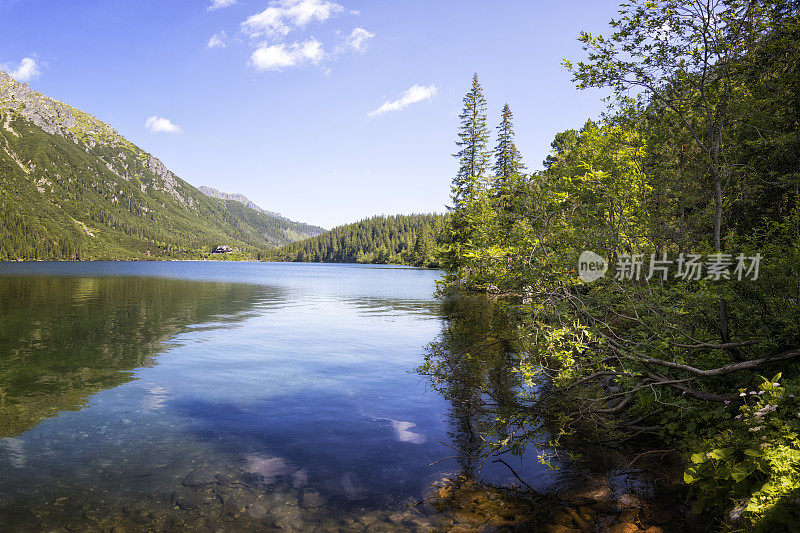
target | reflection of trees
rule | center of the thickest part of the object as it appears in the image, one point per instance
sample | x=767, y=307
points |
x=395, y=306
x=472, y=365
x=63, y=339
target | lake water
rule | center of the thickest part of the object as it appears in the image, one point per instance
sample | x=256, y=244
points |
x=241, y=395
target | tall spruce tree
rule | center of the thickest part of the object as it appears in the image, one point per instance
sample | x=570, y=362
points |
x=470, y=185
x=473, y=155
x=507, y=159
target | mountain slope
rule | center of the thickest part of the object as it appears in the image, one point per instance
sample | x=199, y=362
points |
x=296, y=231
x=406, y=239
x=71, y=187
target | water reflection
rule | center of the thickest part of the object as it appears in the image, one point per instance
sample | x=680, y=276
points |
x=282, y=396
x=64, y=339
x=395, y=306
x=472, y=364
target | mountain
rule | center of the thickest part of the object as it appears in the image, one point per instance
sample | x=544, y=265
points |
x=242, y=199
x=405, y=239
x=71, y=187
x=295, y=231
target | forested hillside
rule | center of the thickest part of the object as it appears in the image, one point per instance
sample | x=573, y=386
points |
x=71, y=187
x=405, y=239
x=682, y=333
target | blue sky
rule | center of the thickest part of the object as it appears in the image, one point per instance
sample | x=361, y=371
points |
x=327, y=111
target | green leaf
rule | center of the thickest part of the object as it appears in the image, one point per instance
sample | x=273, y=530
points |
x=739, y=473
x=721, y=453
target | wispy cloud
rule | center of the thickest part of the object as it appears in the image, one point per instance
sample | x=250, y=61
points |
x=217, y=4
x=217, y=40
x=412, y=95
x=358, y=40
x=161, y=125
x=282, y=55
x=27, y=70
x=274, y=51
x=282, y=16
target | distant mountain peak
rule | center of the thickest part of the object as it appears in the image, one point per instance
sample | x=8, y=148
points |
x=242, y=199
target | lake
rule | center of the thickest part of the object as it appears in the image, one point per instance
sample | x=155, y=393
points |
x=222, y=394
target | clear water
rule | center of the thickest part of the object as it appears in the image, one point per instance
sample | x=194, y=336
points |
x=241, y=395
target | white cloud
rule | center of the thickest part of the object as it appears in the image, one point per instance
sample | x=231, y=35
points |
x=217, y=40
x=414, y=94
x=281, y=16
x=269, y=29
x=217, y=4
x=282, y=55
x=358, y=40
x=269, y=22
x=27, y=70
x=161, y=125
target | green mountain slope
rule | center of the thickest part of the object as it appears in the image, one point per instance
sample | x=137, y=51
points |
x=71, y=187
x=404, y=239
x=294, y=231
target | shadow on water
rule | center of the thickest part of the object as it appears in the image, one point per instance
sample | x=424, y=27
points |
x=63, y=339
x=473, y=366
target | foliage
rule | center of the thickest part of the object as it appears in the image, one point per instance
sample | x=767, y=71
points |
x=473, y=154
x=755, y=461
x=399, y=239
x=698, y=155
x=507, y=158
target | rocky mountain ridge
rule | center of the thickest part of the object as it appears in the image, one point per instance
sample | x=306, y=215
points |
x=235, y=197
x=57, y=118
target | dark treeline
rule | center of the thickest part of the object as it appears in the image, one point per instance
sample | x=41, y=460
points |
x=689, y=187
x=400, y=239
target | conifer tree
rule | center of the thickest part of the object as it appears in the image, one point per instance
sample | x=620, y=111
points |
x=507, y=159
x=473, y=155
x=470, y=184
x=424, y=247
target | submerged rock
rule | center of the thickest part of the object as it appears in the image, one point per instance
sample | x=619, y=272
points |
x=623, y=527
x=629, y=515
x=196, y=500
x=257, y=510
x=200, y=478
x=313, y=499
x=628, y=501
x=560, y=528
x=226, y=479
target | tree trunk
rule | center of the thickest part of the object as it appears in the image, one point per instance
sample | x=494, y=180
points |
x=717, y=208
